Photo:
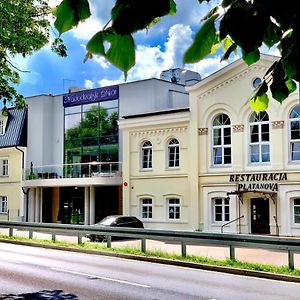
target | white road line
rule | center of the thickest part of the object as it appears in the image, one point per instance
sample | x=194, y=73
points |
x=100, y=277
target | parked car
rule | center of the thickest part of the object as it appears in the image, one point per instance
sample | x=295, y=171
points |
x=115, y=221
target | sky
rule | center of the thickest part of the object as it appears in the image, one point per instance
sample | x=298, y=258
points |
x=159, y=48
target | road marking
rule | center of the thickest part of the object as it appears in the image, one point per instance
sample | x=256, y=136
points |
x=101, y=277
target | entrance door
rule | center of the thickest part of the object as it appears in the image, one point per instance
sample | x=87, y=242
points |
x=260, y=216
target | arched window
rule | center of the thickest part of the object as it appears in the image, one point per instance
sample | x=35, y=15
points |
x=173, y=153
x=147, y=155
x=295, y=134
x=259, y=127
x=221, y=133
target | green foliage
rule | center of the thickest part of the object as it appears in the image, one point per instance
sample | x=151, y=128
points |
x=24, y=28
x=246, y=24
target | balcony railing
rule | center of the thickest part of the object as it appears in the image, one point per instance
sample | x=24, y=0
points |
x=77, y=170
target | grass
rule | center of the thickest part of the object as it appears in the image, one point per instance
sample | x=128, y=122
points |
x=282, y=270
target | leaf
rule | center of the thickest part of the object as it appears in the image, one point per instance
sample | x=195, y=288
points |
x=259, y=103
x=129, y=16
x=231, y=49
x=204, y=40
x=95, y=44
x=272, y=35
x=121, y=52
x=262, y=89
x=69, y=13
x=278, y=86
x=291, y=85
x=252, y=57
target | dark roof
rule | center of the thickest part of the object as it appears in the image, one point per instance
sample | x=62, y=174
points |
x=16, y=129
x=160, y=112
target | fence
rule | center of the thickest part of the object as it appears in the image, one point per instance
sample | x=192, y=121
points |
x=289, y=245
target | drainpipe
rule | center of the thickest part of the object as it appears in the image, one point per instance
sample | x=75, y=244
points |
x=25, y=193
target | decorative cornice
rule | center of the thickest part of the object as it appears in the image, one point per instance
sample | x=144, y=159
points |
x=238, y=128
x=159, y=131
x=277, y=124
x=202, y=131
x=232, y=79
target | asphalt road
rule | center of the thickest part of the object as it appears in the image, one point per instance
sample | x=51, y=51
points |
x=39, y=273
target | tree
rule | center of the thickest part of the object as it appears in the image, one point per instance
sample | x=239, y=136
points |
x=24, y=29
x=231, y=25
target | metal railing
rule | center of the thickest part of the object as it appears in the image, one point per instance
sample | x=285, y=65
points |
x=222, y=227
x=289, y=245
x=75, y=170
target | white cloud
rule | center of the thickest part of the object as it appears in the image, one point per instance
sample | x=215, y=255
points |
x=89, y=84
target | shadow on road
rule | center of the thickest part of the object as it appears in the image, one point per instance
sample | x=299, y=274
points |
x=41, y=295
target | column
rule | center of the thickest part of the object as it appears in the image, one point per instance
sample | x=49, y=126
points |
x=31, y=205
x=86, y=205
x=37, y=205
x=92, y=205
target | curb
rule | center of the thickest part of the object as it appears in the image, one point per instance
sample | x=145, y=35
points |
x=199, y=266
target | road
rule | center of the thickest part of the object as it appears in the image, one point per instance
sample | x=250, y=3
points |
x=60, y=275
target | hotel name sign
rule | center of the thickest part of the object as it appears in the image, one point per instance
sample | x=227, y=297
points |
x=258, y=181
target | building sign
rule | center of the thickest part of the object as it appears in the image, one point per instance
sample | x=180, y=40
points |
x=91, y=96
x=258, y=181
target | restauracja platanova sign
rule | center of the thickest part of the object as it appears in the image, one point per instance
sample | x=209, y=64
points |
x=259, y=181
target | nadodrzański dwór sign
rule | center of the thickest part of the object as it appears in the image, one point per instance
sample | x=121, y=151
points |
x=91, y=96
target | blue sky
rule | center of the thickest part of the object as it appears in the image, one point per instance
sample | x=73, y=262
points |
x=160, y=48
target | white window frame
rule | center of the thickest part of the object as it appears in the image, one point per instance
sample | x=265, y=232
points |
x=259, y=122
x=174, y=215
x=146, y=208
x=146, y=155
x=3, y=204
x=225, y=203
x=222, y=147
x=173, y=149
x=294, y=211
x=3, y=167
x=293, y=142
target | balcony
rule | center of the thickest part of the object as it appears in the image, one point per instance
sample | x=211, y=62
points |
x=77, y=170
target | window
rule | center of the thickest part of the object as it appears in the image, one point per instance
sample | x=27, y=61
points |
x=147, y=155
x=173, y=153
x=1, y=127
x=297, y=211
x=146, y=208
x=221, y=209
x=256, y=82
x=221, y=140
x=174, y=209
x=295, y=134
x=259, y=137
x=3, y=204
x=3, y=167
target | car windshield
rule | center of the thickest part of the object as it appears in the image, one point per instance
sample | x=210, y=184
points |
x=107, y=221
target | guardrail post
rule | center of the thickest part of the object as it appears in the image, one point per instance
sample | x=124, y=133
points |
x=232, y=252
x=143, y=245
x=79, y=238
x=53, y=237
x=183, y=249
x=11, y=231
x=291, y=259
x=108, y=244
x=30, y=234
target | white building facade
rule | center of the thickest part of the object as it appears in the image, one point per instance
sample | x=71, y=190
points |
x=73, y=159
x=217, y=166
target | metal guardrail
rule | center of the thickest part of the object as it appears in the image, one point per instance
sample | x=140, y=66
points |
x=286, y=244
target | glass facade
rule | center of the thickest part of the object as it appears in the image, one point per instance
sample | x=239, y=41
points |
x=91, y=133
